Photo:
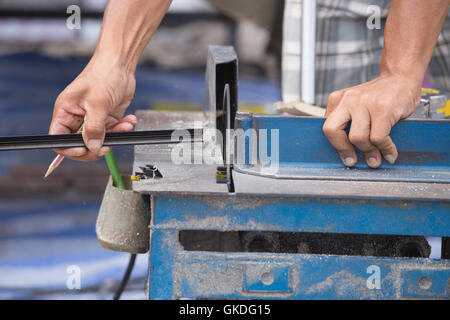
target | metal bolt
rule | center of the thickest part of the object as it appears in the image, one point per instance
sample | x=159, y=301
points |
x=267, y=278
x=424, y=283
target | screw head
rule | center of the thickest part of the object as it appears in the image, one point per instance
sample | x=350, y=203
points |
x=267, y=278
x=424, y=283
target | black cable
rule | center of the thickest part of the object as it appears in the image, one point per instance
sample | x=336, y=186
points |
x=126, y=277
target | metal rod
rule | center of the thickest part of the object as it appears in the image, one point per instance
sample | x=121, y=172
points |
x=111, y=139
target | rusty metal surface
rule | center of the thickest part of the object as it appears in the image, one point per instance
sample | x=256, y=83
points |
x=183, y=178
x=252, y=184
x=242, y=276
x=200, y=178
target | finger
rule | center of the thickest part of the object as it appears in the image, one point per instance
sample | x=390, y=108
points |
x=123, y=127
x=72, y=152
x=111, y=122
x=104, y=150
x=81, y=153
x=336, y=96
x=334, y=130
x=131, y=118
x=90, y=156
x=67, y=116
x=379, y=136
x=359, y=135
x=94, y=128
x=333, y=101
x=58, y=127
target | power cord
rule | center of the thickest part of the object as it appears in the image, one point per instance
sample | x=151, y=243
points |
x=126, y=277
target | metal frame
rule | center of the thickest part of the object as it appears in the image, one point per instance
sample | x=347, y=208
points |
x=188, y=198
x=423, y=146
x=314, y=192
x=176, y=273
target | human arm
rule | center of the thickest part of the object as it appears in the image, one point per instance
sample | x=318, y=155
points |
x=411, y=32
x=99, y=96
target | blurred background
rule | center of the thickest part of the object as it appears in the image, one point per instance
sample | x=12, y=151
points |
x=48, y=225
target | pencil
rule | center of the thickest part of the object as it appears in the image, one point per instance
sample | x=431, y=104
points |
x=57, y=161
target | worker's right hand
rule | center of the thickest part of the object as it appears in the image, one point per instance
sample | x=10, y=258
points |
x=98, y=97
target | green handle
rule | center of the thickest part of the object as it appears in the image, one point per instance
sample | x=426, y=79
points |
x=114, y=170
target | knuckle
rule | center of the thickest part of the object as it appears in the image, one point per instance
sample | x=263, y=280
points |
x=397, y=114
x=366, y=99
x=328, y=129
x=93, y=124
x=100, y=101
x=377, y=139
x=333, y=98
x=357, y=138
x=349, y=93
x=382, y=103
x=94, y=127
x=62, y=102
x=102, y=98
x=65, y=97
x=60, y=98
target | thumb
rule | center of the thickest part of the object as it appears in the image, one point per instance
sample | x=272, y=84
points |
x=94, y=128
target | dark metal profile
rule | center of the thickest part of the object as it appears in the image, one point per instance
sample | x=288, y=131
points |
x=111, y=139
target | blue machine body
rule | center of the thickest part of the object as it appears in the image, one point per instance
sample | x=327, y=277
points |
x=311, y=192
x=304, y=152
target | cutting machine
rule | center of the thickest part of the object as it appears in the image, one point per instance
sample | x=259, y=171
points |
x=276, y=214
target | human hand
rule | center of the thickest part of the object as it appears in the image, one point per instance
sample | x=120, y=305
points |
x=373, y=109
x=98, y=97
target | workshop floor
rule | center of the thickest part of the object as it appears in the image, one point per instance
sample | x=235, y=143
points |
x=47, y=226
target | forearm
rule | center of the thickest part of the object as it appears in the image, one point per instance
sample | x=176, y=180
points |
x=127, y=27
x=373, y=108
x=412, y=29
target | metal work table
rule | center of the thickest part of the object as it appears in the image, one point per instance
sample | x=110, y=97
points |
x=188, y=198
x=198, y=179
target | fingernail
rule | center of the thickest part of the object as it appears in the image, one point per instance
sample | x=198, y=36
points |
x=372, y=162
x=390, y=158
x=349, y=162
x=94, y=145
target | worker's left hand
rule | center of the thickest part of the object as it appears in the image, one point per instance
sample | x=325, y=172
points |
x=373, y=109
